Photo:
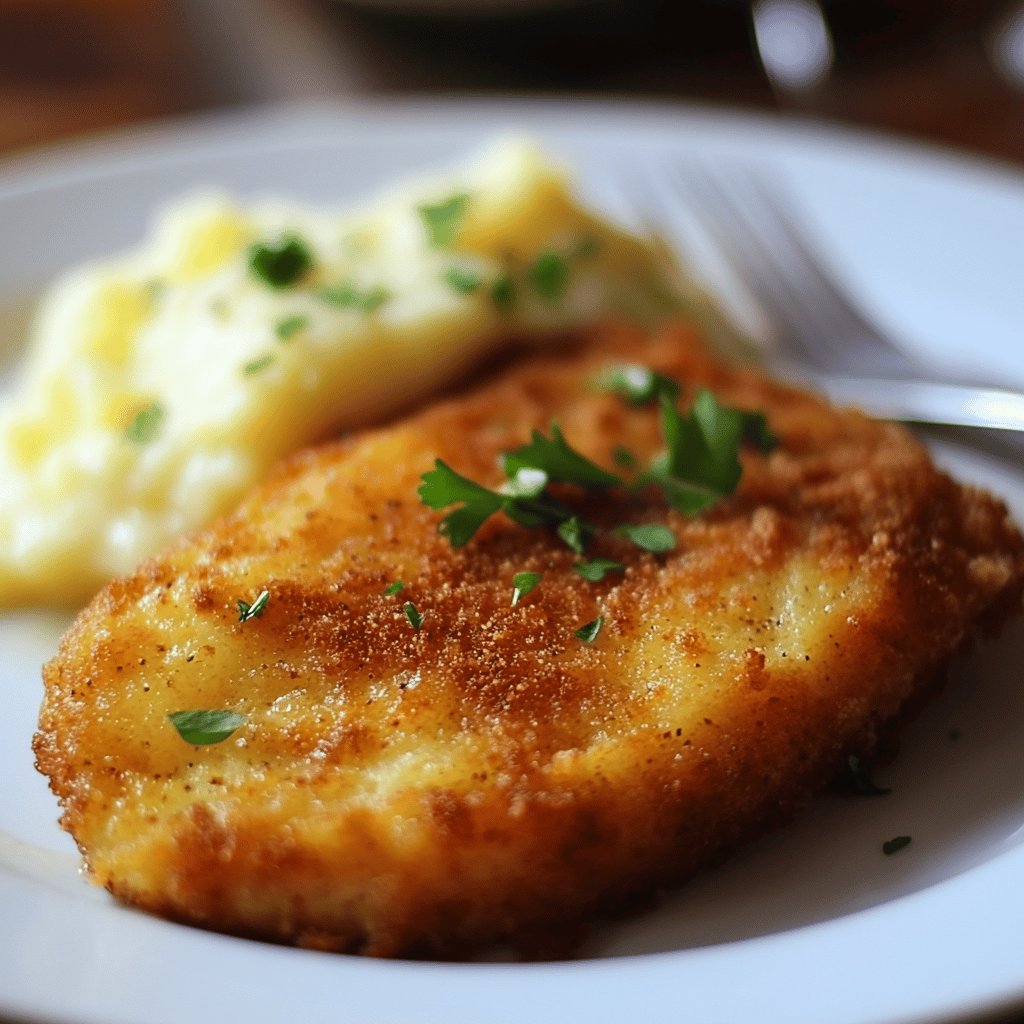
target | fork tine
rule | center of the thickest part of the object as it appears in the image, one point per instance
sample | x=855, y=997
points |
x=746, y=253
x=842, y=320
x=752, y=233
x=818, y=323
x=791, y=266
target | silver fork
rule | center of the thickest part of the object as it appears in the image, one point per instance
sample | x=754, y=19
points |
x=817, y=331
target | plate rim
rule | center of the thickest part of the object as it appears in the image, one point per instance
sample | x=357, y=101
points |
x=132, y=148
x=127, y=151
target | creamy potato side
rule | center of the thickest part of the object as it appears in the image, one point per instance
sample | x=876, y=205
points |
x=161, y=384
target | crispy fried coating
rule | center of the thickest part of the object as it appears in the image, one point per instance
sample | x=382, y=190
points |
x=488, y=776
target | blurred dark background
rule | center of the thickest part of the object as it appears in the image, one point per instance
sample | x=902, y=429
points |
x=950, y=71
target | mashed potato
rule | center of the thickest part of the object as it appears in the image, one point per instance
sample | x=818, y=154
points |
x=161, y=384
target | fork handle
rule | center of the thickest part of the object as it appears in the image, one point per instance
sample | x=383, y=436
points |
x=921, y=401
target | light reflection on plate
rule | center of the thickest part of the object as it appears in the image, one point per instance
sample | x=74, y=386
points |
x=813, y=924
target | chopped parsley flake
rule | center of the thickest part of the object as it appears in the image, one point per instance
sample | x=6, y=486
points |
x=443, y=220
x=894, y=845
x=414, y=617
x=257, y=365
x=248, y=611
x=549, y=276
x=282, y=263
x=340, y=295
x=204, y=727
x=595, y=569
x=503, y=293
x=146, y=424
x=394, y=588
x=588, y=633
x=465, y=281
x=575, y=533
x=290, y=326
x=347, y=295
x=637, y=384
x=650, y=537
x=522, y=584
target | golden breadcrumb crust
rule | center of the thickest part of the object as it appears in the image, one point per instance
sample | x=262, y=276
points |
x=489, y=776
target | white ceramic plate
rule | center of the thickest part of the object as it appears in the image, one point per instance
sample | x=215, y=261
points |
x=811, y=926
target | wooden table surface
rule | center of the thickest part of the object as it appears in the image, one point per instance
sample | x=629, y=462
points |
x=920, y=68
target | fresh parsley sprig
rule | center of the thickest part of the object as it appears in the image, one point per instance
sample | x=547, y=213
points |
x=699, y=466
x=442, y=487
x=701, y=463
x=523, y=499
x=562, y=463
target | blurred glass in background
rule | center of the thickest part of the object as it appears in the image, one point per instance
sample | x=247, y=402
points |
x=949, y=71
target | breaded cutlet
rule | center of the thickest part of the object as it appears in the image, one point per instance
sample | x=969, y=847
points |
x=429, y=769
